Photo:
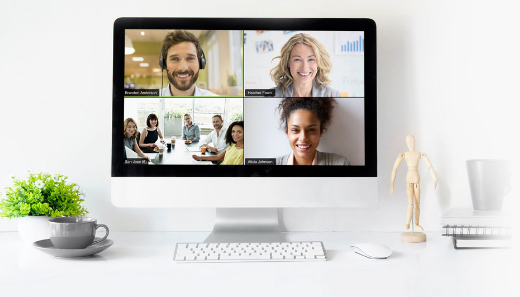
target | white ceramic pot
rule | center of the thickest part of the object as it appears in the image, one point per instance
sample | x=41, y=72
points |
x=234, y=91
x=33, y=228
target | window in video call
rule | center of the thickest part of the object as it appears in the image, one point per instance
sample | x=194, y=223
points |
x=244, y=97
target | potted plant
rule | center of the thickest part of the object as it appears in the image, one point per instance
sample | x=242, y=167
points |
x=233, y=84
x=173, y=122
x=37, y=198
x=235, y=117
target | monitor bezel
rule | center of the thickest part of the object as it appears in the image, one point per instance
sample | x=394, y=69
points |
x=119, y=169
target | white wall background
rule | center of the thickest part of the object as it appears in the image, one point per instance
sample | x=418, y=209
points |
x=265, y=139
x=447, y=73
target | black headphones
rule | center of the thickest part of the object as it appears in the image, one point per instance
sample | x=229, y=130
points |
x=202, y=61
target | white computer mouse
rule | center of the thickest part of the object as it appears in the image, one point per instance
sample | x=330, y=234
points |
x=372, y=250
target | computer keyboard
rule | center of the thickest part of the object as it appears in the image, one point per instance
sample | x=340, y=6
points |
x=247, y=252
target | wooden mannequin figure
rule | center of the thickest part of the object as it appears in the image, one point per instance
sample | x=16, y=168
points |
x=413, y=188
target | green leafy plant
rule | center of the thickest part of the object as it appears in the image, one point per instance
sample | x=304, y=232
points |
x=173, y=114
x=235, y=117
x=42, y=194
x=232, y=80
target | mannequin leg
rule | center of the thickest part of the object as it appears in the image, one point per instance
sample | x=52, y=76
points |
x=417, y=191
x=410, y=193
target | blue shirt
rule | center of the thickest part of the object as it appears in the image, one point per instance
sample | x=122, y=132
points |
x=192, y=133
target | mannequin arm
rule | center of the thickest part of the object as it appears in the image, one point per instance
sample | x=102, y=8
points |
x=394, y=171
x=430, y=167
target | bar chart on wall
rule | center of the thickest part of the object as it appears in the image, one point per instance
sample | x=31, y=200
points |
x=350, y=43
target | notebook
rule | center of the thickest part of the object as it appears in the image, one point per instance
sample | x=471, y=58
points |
x=479, y=237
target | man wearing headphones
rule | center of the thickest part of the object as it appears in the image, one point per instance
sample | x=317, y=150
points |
x=182, y=57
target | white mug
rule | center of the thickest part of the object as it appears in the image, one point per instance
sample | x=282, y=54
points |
x=489, y=182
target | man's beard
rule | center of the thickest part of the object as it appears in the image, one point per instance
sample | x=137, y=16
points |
x=183, y=86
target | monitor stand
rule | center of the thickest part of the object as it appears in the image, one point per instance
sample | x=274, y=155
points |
x=246, y=225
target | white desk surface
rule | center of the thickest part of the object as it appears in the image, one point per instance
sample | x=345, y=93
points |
x=141, y=264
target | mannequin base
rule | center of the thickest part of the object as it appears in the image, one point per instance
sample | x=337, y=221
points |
x=413, y=237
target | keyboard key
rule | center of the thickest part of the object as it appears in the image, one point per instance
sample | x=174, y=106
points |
x=319, y=252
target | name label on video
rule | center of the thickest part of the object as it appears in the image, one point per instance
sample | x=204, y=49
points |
x=260, y=92
x=140, y=92
x=136, y=162
x=256, y=161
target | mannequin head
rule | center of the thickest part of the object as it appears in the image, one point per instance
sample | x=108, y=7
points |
x=410, y=142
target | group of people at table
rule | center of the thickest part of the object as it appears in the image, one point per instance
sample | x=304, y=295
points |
x=228, y=142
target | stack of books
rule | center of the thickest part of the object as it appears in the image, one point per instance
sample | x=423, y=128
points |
x=477, y=229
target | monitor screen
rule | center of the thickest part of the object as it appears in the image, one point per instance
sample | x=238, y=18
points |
x=244, y=97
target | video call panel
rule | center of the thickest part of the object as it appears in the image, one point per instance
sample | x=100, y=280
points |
x=213, y=65
x=344, y=136
x=341, y=54
x=189, y=93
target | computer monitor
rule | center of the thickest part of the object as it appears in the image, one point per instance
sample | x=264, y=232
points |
x=281, y=113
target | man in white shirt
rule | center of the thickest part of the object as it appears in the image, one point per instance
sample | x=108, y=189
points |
x=182, y=57
x=217, y=137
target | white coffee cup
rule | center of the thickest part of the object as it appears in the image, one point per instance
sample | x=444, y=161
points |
x=489, y=182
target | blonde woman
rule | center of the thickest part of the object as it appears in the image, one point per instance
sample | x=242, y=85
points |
x=303, y=68
x=131, y=135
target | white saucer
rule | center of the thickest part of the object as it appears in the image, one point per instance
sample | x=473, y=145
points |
x=47, y=247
